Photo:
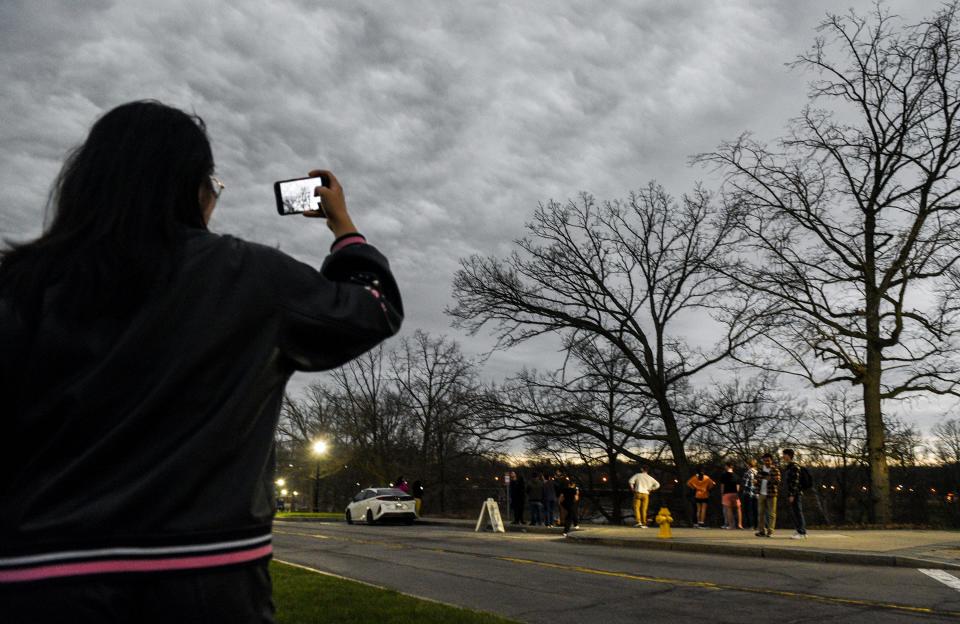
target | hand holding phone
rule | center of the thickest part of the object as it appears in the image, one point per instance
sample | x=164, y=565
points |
x=299, y=196
x=332, y=204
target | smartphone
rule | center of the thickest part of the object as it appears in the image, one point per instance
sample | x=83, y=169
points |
x=296, y=196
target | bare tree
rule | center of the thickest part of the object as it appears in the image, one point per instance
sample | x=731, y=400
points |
x=435, y=382
x=594, y=414
x=946, y=441
x=370, y=413
x=742, y=419
x=853, y=220
x=623, y=273
x=833, y=435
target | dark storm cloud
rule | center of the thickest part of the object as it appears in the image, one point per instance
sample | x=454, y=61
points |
x=446, y=122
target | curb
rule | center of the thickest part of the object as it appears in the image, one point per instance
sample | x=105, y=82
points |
x=459, y=524
x=771, y=552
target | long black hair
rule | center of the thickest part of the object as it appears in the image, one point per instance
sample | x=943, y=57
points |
x=119, y=201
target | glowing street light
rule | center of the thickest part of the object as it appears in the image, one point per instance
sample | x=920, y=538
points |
x=281, y=482
x=283, y=492
x=319, y=449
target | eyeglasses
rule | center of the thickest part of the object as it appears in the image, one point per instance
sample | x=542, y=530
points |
x=216, y=187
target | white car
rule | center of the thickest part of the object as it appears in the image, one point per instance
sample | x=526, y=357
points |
x=381, y=504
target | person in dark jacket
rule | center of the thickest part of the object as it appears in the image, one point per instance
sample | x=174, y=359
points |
x=143, y=361
x=570, y=503
x=535, y=499
x=518, y=494
x=791, y=482
x=416, y=490
x=549, y=501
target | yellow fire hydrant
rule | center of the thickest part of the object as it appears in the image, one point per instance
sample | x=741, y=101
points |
x=664, y=519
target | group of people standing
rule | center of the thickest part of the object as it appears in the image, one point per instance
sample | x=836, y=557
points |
x=752, y=496
x=749, y=499
x=552, y=500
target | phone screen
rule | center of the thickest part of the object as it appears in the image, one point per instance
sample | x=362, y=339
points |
x=296, y=196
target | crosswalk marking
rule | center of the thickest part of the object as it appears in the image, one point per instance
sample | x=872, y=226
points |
x=943, y=576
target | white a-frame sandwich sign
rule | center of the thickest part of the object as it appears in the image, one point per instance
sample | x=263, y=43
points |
x=490, y=516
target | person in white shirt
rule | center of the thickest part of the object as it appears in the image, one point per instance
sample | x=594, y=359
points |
x=641, y=484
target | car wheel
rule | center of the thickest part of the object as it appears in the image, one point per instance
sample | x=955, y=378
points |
x=369, y=517
x=349, y=517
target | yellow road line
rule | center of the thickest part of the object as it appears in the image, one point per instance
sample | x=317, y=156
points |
x=850, y=602
x=739, y=588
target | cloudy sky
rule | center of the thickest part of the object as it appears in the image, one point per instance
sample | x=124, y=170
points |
x=447, y=122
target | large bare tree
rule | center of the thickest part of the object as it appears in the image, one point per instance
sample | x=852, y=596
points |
x=852, y=217
x=633, y=275
x=435, y=381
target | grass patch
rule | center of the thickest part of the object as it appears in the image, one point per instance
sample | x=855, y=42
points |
x=322, y=515
x=304, y=597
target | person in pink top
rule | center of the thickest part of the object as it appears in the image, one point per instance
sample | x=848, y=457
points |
x=401, y=484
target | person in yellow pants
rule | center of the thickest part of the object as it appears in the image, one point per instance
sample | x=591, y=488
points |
x=641, y=484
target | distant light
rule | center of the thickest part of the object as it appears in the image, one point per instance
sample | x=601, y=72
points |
x=604, y=478
x=291, y=465
x=496, y=478
x=467, y=478
x=283, y=492
x=319, y=447
x=296, y=493
x=281, y=482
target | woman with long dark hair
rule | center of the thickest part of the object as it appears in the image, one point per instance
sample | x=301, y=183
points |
x=701, y=484
x=143, y=361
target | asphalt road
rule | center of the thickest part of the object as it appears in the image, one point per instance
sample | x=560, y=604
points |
x=542, y=578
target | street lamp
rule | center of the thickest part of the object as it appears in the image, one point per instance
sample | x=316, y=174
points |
x=281, y=482
x=319, y=448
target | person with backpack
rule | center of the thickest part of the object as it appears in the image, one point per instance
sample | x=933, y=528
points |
x=796, y=480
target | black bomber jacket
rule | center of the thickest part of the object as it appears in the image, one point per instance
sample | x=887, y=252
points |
x=149, y=446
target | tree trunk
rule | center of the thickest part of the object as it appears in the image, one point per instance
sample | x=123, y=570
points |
x=616, y=516
x=844, y=487
x=880, y=508
x=675, y=442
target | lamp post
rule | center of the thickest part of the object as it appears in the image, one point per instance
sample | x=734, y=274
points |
x=318, y=448
x=280, y=482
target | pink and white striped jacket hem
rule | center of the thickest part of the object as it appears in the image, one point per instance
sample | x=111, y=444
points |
x=72, y=563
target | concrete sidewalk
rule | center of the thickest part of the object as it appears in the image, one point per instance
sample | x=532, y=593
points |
x=903, y=548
